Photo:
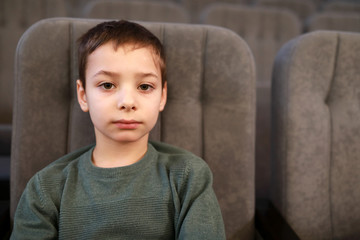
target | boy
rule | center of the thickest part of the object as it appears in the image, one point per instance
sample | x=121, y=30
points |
x=123, y=187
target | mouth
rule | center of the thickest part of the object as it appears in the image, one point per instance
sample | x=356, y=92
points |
x=127, y=124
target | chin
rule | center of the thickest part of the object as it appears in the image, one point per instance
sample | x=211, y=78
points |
x=129, y=138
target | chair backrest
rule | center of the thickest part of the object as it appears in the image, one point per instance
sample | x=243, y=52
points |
x=140, y=10
x=195, y=7
x=265, y=31
x=316, y=151
x=210, y=109
x=35, y=10
x=15, y=17
x=23, y=13
x=342, y=6
x=302, y=9
x=334, y=21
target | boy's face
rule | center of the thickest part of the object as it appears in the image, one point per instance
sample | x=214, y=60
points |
x=123, y=94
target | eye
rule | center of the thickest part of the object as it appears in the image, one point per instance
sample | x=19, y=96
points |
x=107, y=85
x=145, y=87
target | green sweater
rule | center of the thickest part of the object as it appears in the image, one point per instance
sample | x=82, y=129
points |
x=166, y=195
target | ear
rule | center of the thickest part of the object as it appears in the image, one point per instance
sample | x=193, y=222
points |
x=81, y=96
x=163, y=97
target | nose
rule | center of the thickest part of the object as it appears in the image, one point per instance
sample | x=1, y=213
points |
x=126, y=100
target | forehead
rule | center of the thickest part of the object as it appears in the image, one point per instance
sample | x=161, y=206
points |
x=126, y=56
x=126, y=48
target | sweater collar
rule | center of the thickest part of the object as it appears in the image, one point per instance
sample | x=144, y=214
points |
x=145, y=162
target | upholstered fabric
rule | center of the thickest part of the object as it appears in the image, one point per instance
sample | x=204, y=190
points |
x=334, y=21
x=141, y=10
x=302, y=9
x=15, y=17
x=35, y=10
x=265, y=31
x=9, y=36
x=210, y=109
x=342, y=6
x=195, y=7
x=316, y=134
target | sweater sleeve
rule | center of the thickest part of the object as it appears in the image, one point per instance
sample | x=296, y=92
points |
x=200, y=215
x=36, y=216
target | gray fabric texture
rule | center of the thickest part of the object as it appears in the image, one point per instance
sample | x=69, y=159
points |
x=210, y=109
x=334, y=21
x=15, y=17
x=265, y=31
x=195, y=7
x=302, y=9
x=342, y=6
x=316, y=134
x=140, y=10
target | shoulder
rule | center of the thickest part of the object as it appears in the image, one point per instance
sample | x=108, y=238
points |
x=181, y=162
x=176, y=155
x=66, y=161
x=46, y=186
x=56, y=172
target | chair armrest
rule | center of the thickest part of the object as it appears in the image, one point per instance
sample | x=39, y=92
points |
x=270, y=224
x=4, y=219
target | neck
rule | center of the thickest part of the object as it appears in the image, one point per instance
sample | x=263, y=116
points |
x=110, y=154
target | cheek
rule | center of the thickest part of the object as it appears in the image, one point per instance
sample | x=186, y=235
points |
x=97, y=108
x=152, y=109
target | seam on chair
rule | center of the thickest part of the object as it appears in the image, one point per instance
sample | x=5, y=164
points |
x=202, y=95
x=331, y=133
x=71, y=75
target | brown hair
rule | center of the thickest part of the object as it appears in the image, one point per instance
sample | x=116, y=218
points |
x=120, y=33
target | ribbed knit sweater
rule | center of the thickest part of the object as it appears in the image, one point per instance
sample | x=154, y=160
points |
x=166, y=195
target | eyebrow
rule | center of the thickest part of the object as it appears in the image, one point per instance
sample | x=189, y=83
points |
x=106, y=73
x=116, y=75
x=146, y=74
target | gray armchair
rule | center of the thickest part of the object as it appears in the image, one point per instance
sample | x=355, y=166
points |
x=210, y=109
x=316, y=134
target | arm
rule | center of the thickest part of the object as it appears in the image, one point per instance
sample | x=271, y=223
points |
x=36, y=216
x=200, y=215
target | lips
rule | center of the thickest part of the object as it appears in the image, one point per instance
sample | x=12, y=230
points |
x=127, y=124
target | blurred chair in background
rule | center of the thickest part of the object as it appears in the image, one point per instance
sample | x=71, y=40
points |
x=316, y=134
x=140, y=10
x=195, y=7
x=35, y=10
x=209, y=111
x=302, y=9
x=342, y=6
x=265, y=31
x=15, y=17
x=334, y=21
